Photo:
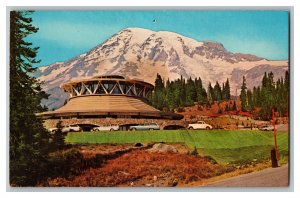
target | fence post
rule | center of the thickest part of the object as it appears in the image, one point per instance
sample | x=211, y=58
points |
x=273, y=158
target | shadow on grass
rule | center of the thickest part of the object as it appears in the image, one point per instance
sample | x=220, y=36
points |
x=243, y=155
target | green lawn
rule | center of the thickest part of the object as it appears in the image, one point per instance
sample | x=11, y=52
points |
x=223, y=145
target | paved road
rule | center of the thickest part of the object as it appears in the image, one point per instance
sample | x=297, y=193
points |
x=271, y=177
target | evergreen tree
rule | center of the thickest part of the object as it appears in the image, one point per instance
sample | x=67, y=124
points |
x=279, y=100
x=191, y=95
x=286, y=92
x=226, y=91
x=249, y=100
x=204, y=96
x=234, y=108
x=178, y=93
x=159, y=84
x=227, y=108
x=58, y=137
x=199, y=88
x=267, y=96
x=170, y=96
x=254, y=96
x=28, y=140
x=168, y=84
x=168, y=92
x=210, y=94
x=217, y=96
x=158, y=97
x=223, y=91
x=243, y=95
x=182, y=92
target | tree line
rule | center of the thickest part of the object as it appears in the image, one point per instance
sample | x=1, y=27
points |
x=269, y=95
x=177, y=94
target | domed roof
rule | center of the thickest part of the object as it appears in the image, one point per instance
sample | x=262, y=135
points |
x=108, y=105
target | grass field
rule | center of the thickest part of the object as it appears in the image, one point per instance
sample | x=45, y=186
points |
x=224, y=146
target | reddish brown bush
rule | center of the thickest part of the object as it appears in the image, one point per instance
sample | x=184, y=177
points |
x=140, y=167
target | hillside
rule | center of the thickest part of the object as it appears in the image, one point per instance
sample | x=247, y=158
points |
x=222, y=146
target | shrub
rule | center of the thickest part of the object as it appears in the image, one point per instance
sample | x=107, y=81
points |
x=180, y=109
x=64, y=163
x=200, y=108
x=141, y=165
x=220, y=110
x=192, y=116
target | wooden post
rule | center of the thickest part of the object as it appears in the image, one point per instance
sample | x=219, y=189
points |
x=275, y=142
x=273, y=158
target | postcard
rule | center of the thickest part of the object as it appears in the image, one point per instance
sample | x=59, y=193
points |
x=149, y=98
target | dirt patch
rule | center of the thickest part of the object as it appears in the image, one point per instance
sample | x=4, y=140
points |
x=92, y=150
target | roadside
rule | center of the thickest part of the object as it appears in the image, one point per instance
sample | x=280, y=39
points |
x=270, y=177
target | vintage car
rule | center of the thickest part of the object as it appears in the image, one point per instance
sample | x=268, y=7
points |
x=199, y=125
x=106, y=128
x=267, y=128
x=150, y=126
x=71, y=128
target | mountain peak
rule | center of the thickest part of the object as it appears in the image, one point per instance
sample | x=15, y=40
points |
x=166, y=35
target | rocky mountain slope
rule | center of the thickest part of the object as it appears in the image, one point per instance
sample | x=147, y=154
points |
x=141, y=54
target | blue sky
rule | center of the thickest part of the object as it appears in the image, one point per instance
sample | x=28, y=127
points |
x=65, y=34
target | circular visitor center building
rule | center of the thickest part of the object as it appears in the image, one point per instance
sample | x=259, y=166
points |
x=109, y=96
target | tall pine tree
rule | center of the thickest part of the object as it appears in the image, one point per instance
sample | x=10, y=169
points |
x=28, y=140
x=243, y=95
x=217, y=96
x=191, y=94
x=287, y=91
x=267, y=96
x=210, y=93
x=226, y=91
x=158, y=97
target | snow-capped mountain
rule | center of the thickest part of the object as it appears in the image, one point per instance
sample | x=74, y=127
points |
x=141, y=54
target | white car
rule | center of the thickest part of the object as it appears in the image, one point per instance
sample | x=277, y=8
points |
x=71, y=128
x=200, y=125
x=106, y=128
x=267, y=128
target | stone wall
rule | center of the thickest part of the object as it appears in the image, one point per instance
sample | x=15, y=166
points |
x=50, y=123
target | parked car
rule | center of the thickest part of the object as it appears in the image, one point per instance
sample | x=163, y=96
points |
x=106, y=128
x=267, y=128
x=150, y=126
x=71, y=128
x=200, y=125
